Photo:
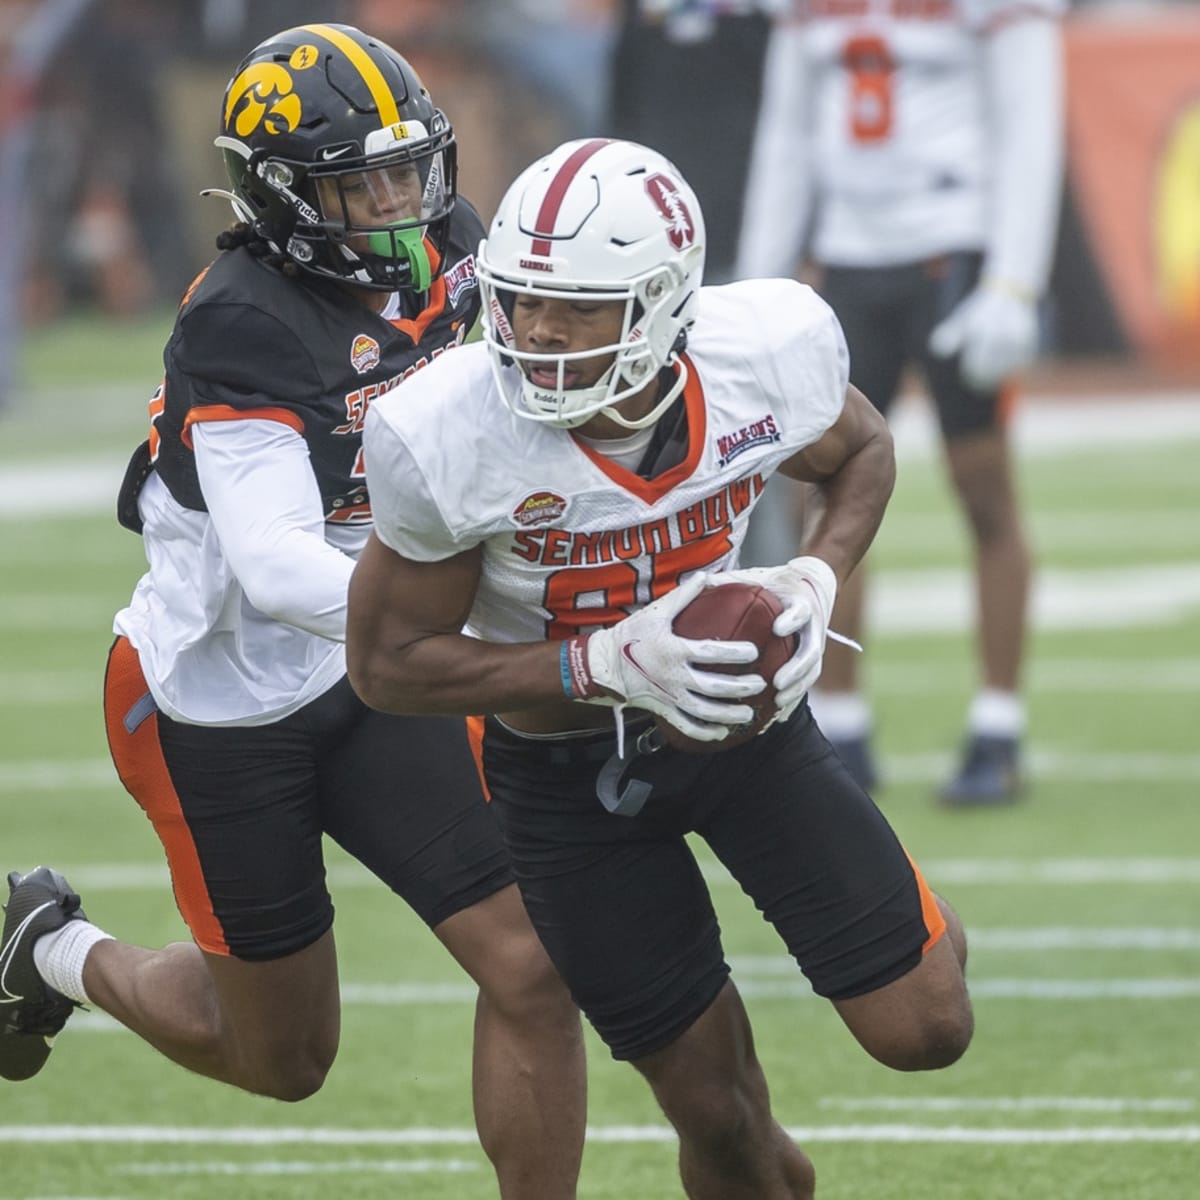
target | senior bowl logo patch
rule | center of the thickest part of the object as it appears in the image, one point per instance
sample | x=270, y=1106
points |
x=364, y=353
x=540, y=508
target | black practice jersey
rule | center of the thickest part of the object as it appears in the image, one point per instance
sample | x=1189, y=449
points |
x=250, y=341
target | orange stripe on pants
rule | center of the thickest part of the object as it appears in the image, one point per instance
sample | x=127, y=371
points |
x=138, y=757
x=931, y=914
x=475, y=737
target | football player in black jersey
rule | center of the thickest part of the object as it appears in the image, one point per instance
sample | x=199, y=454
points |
x=229, y=715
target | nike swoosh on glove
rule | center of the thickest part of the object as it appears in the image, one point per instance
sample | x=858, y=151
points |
x=994, y=330
x=807, y=588
x=640, y=661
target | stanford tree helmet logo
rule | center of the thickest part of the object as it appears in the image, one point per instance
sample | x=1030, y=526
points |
x=662, y=190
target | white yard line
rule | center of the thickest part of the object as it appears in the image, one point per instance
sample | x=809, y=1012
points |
x=619, y=1134
x=1042, y=764
x=63, y=486
x=919, y=603
x=941, y=601
x=338, y=1166
x=20, y=689
x=1044, y=428
x=1070, y=938
x=1035, y=940
x=1160, y=530
x=1045, y=763
x=757, y=987
x=1011, y=989
x=1047, y=676
x=1062, y=872
x=1088, y=1104
x=1069, y=872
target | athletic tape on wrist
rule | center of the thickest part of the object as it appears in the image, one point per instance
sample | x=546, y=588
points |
x=564, y=670
x=577, y=680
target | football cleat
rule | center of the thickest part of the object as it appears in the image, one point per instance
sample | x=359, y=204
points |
x=31, y=1012
x=989, y=773
x=856, y=756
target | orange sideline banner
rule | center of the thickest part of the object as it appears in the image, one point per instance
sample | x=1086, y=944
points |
x=1133, y=128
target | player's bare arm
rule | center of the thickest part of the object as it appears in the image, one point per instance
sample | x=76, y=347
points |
x=853, y=465
x=405, y=653
x=405, y=650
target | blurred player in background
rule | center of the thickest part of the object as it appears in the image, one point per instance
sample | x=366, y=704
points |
x=915, y=151
x=614, y=432
x=665, y=59
x=229, y=715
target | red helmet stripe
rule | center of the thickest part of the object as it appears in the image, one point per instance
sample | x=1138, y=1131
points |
x=558, y=189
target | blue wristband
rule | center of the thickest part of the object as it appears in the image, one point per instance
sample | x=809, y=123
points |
x=564, y=668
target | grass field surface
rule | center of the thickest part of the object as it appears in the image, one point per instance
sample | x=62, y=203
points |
x=1082, y=903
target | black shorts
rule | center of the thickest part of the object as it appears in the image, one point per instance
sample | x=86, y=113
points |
x=241, y=811
x=888, y=313
x=621, y=904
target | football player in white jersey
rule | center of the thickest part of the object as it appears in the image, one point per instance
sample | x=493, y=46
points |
x=912, y=151
x=545, y=503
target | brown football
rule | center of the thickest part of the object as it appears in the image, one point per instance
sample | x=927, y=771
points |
x=735, y=612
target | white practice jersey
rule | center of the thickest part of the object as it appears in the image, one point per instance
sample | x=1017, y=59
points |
x=209, y=655
x=571, y=539
x=898, y=119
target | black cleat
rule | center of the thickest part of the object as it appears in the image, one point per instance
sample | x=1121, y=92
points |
x=989, y=773
x=31, y=1012
x=857, y=758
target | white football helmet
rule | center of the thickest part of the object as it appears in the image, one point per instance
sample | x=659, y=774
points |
x=595, y=220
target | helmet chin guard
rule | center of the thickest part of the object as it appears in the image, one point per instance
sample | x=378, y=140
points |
x=594, y=221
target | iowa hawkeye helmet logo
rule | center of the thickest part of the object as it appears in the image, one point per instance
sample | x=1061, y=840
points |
x=541, y=508
x=264, y=94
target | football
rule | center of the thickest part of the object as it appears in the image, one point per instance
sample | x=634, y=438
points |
x=735, y=612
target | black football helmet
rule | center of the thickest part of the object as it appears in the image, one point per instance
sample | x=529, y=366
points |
x=338, y=157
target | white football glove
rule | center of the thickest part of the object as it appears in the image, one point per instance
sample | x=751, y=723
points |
x=640, y=661
x=995, y=330
x=806, y=587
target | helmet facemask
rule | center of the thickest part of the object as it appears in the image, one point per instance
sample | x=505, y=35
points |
x=595, y=221
x=648, y=341
x=378, y=211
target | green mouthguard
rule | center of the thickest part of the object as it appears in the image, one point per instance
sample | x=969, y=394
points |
x=405, y=243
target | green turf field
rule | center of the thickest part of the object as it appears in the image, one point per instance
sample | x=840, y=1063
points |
x=1083, y=904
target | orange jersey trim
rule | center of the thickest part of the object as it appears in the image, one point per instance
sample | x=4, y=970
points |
x=194, y=285
x=416, y=327
x=223, y=412
x=651, y=490
x=138, y=757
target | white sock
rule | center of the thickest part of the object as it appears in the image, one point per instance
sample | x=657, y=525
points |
x=59, y=957
x=840, y=715
x=997, y=714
